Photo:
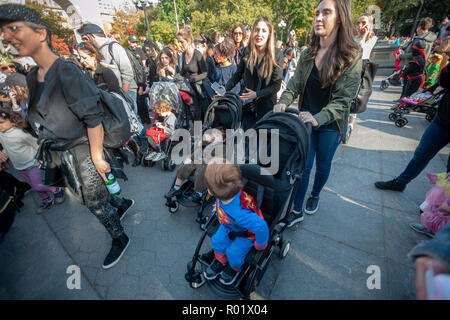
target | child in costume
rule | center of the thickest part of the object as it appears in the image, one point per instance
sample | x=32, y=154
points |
x=242, y=224
x=433, y=70
x=414, y=73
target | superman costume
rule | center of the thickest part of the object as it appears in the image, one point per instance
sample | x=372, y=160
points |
x=237, y=217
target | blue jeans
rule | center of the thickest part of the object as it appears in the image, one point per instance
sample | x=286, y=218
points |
x=434, y=139
x=323, y=146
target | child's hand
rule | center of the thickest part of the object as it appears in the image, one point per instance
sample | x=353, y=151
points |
x=3, y=156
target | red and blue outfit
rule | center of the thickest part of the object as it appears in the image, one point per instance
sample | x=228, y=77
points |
x=415, y=76
x=239, y=215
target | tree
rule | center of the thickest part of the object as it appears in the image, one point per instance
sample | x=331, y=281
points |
x=55, y=21
x=126, y=24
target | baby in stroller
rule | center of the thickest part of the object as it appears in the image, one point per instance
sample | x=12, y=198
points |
x=242, y=226
x=210, y=139
x=158, y=135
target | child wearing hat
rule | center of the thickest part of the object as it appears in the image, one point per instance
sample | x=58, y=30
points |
x=433, y=69
x=242, y=224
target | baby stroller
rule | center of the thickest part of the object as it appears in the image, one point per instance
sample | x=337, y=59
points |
x=394, y=79
x=224, y=112
x=274, y=195
x=419, y=102
x=167, y=90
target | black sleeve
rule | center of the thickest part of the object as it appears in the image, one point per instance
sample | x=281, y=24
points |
x=276, y=78
x=237, y=76
x=211, y=67
x=413, y=67
x=111, y=80
x=81, y=95
x=201, y=66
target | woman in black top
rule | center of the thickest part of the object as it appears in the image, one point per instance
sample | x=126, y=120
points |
x=66, y=105
x=167, y=66
x=261, y=70
x=195, y=70
x=238, y=34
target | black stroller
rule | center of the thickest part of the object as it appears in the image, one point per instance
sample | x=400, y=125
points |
x=274, y=195
x=224, y=112
x=394, y=79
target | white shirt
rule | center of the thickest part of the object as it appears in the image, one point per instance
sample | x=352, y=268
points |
x=21, y=147
x=367, y=46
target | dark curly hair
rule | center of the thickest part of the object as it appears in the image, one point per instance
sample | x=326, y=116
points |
x=6, y=113
x=226, y=48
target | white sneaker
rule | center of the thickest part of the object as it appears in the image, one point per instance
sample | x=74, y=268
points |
x=151, y=155
x=159, y=156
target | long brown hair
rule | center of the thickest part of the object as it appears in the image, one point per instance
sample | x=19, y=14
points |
x=269, y=61
x=90, y=47
x=244, y=34
x=344, y=51
x=172, y=60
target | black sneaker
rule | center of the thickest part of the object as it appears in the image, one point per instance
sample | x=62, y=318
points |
x=213, y=270
x=293, y=218
x=122, y=211
x=119, y=246
x=137, y=161
x=393, y=185
x=228, y=276
x=173, y=193
x=417, y=227
x=312, y=204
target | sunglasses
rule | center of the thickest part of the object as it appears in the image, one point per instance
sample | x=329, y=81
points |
x=10, y=67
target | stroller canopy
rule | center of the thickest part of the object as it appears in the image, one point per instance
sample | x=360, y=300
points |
x=225, y=111
x=168, y=91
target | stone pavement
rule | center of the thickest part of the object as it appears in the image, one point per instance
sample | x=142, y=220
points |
x=357, y=226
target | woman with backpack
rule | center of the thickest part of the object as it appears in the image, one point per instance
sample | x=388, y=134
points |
x=261, y=69
x=71, y=120
x=327, y=79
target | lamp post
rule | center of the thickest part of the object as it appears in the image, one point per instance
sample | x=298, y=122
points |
x=282, y=25
x=176, y=14
x=143, y=5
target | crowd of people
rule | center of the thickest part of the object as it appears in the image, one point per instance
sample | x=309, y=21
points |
x=51, y=111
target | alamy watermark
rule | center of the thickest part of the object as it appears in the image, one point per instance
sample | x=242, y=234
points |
x=74, y=280
x=249, y=147
x=374, y=280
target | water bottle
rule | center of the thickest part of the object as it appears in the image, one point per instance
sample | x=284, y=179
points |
x=112, y=185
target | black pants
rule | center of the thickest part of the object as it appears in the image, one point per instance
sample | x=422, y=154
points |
x=411, y=86
x=142, y=109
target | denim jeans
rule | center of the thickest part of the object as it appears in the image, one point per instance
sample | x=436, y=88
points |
x=434, y=139
x=323, y=146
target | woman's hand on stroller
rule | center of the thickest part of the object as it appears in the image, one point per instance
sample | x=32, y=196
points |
x=279, y=107
x=308, y=117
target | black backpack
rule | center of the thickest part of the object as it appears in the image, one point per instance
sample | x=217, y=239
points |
x=359, y=104
x=115, y=121
x=7, y=212
x=138, y=70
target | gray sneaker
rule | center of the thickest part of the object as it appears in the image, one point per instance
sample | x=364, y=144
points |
x=417, y=227
x=293, y=218
x=151, y=155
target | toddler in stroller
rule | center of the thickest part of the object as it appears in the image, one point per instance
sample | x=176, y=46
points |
x=189, y=188
x=158, y=135
x=242, y=225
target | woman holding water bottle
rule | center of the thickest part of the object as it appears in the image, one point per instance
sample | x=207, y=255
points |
x=70, y=121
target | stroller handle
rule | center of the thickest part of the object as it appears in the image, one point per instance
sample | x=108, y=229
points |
x=297, y=112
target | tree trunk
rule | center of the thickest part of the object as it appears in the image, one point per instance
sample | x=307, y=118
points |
x=413, y=30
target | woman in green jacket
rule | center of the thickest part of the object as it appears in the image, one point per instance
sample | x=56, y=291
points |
x=326, y=80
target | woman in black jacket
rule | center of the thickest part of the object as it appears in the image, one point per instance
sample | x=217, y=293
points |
x=194, y=68
x=66, y=105
x=261, y=70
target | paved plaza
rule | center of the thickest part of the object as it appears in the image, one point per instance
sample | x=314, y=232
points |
x=356, y=226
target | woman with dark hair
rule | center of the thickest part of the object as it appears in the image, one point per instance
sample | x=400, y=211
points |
x=238, y=34
x=167, y=66
x=326, y=80
x=101, y=73
x=67, y=106
x=262, y=73
x=194, y=69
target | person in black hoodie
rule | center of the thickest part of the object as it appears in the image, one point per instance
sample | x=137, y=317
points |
x=435, y=137
x=261, y=68
x=66, y=105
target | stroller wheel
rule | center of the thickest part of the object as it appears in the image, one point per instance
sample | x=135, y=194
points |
x=174, y=206
x=285, y=249
x=384, y=85
x=429, y=117
x=393, y=116
x=195, y=284
x=171, y=166
x=401, y=122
